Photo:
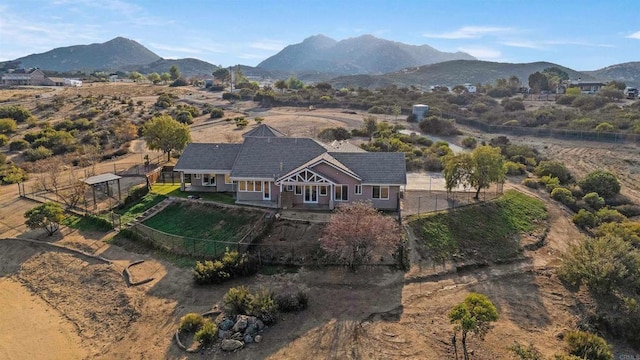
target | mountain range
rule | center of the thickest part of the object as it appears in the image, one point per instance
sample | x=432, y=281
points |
x=362, y=61
x=453, y=73
x=365, y=54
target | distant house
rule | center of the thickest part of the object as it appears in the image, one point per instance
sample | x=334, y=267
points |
x=272, y=170
x=470, y=88
x=26, y=77
x=587, y=87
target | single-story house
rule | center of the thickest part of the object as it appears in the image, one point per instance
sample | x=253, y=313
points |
x=587, y=87
x=273, y=170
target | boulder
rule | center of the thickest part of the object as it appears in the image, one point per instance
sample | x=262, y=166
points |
x=258, y=338
x=251, y=320
x=259, y=324
x=231, y=345
x=251, y=330
x=237, y=336
x=240, y=324
x=248, y=339
x=226, y=324
x=224, y=334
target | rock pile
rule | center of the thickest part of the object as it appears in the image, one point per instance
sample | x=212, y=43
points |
x=236, y=331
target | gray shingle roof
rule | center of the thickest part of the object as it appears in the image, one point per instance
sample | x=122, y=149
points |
x=207, y=156
x=376, y=167
x=261, y=157
x=263, y=130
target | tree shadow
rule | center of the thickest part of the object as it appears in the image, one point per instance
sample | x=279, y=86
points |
x=518, y=296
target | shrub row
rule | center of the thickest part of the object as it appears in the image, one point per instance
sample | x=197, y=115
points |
x=263, y=304
x=232, y=264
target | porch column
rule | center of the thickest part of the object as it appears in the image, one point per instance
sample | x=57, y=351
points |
x=182, y=187
x=331, y=193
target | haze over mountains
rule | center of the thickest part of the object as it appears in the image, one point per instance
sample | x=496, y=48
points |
x=362, y=61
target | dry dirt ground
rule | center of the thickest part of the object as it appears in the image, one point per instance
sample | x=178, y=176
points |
x=79, y=307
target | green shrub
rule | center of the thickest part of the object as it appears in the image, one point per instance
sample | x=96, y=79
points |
x=554, y=169
x=18, y=145
x=288, y=301
x=606, y=215
x=191, y=322
x=585, y=219
x=563, y=195
x=588, y=346
x=8, y=126
x=17, y=113
x=238, y=300
x=530, y=183
x=136, y=193
x=216, y=113
x=207, y=334
x=526, y=352
x=602, y=182
x=38, y=153
x=604, y=264
x=263, y=306
x=469, y=142
x=549, y=182
x=185, y=117
x=594, y=200
x=210, y=272
x=3, y=140
x=513, y=168
x=241, y=122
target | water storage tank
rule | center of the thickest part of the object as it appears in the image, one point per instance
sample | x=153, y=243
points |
x=420, y=111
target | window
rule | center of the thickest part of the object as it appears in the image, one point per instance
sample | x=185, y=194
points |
x=249, y=185
x=196, y=176
x=227, y=179
x=381, y=192
x=358, y=190
x=288, y=188
x=298, y=190
x=258, y=186
x=209, y=180
x=341, y=193
x=242, y=186
x=323, y=191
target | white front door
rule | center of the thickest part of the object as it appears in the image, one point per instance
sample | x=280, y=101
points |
x=311, y=194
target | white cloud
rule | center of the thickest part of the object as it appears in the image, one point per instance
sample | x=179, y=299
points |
x=523, y=44
x=470, y=32
x=635, y=35
x=269, y=45
x=176, y=49
x=483, y=53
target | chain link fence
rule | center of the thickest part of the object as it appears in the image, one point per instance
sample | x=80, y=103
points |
x=416, y=202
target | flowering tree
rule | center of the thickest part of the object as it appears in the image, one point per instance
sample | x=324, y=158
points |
x=355, y=230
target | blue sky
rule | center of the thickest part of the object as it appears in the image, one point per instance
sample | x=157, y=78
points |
x=583, y=35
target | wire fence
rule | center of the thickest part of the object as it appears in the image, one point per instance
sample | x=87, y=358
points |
x=579, y=135
x=199, y=247
x=418, y=202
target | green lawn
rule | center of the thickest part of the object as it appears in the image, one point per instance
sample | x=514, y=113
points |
x=485, y=232
x=87, y=223
x=203, y=226
x=174, y=190
x=132, y=211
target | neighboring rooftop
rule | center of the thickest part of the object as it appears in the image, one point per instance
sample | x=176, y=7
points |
x=263, y=130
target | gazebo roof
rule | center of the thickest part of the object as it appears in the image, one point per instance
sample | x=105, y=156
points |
x=102, y=178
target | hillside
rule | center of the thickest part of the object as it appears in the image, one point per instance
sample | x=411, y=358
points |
x=452, y=73
x=361, y=55
x=188, y=67
x=627, y=72
x=111, y=55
